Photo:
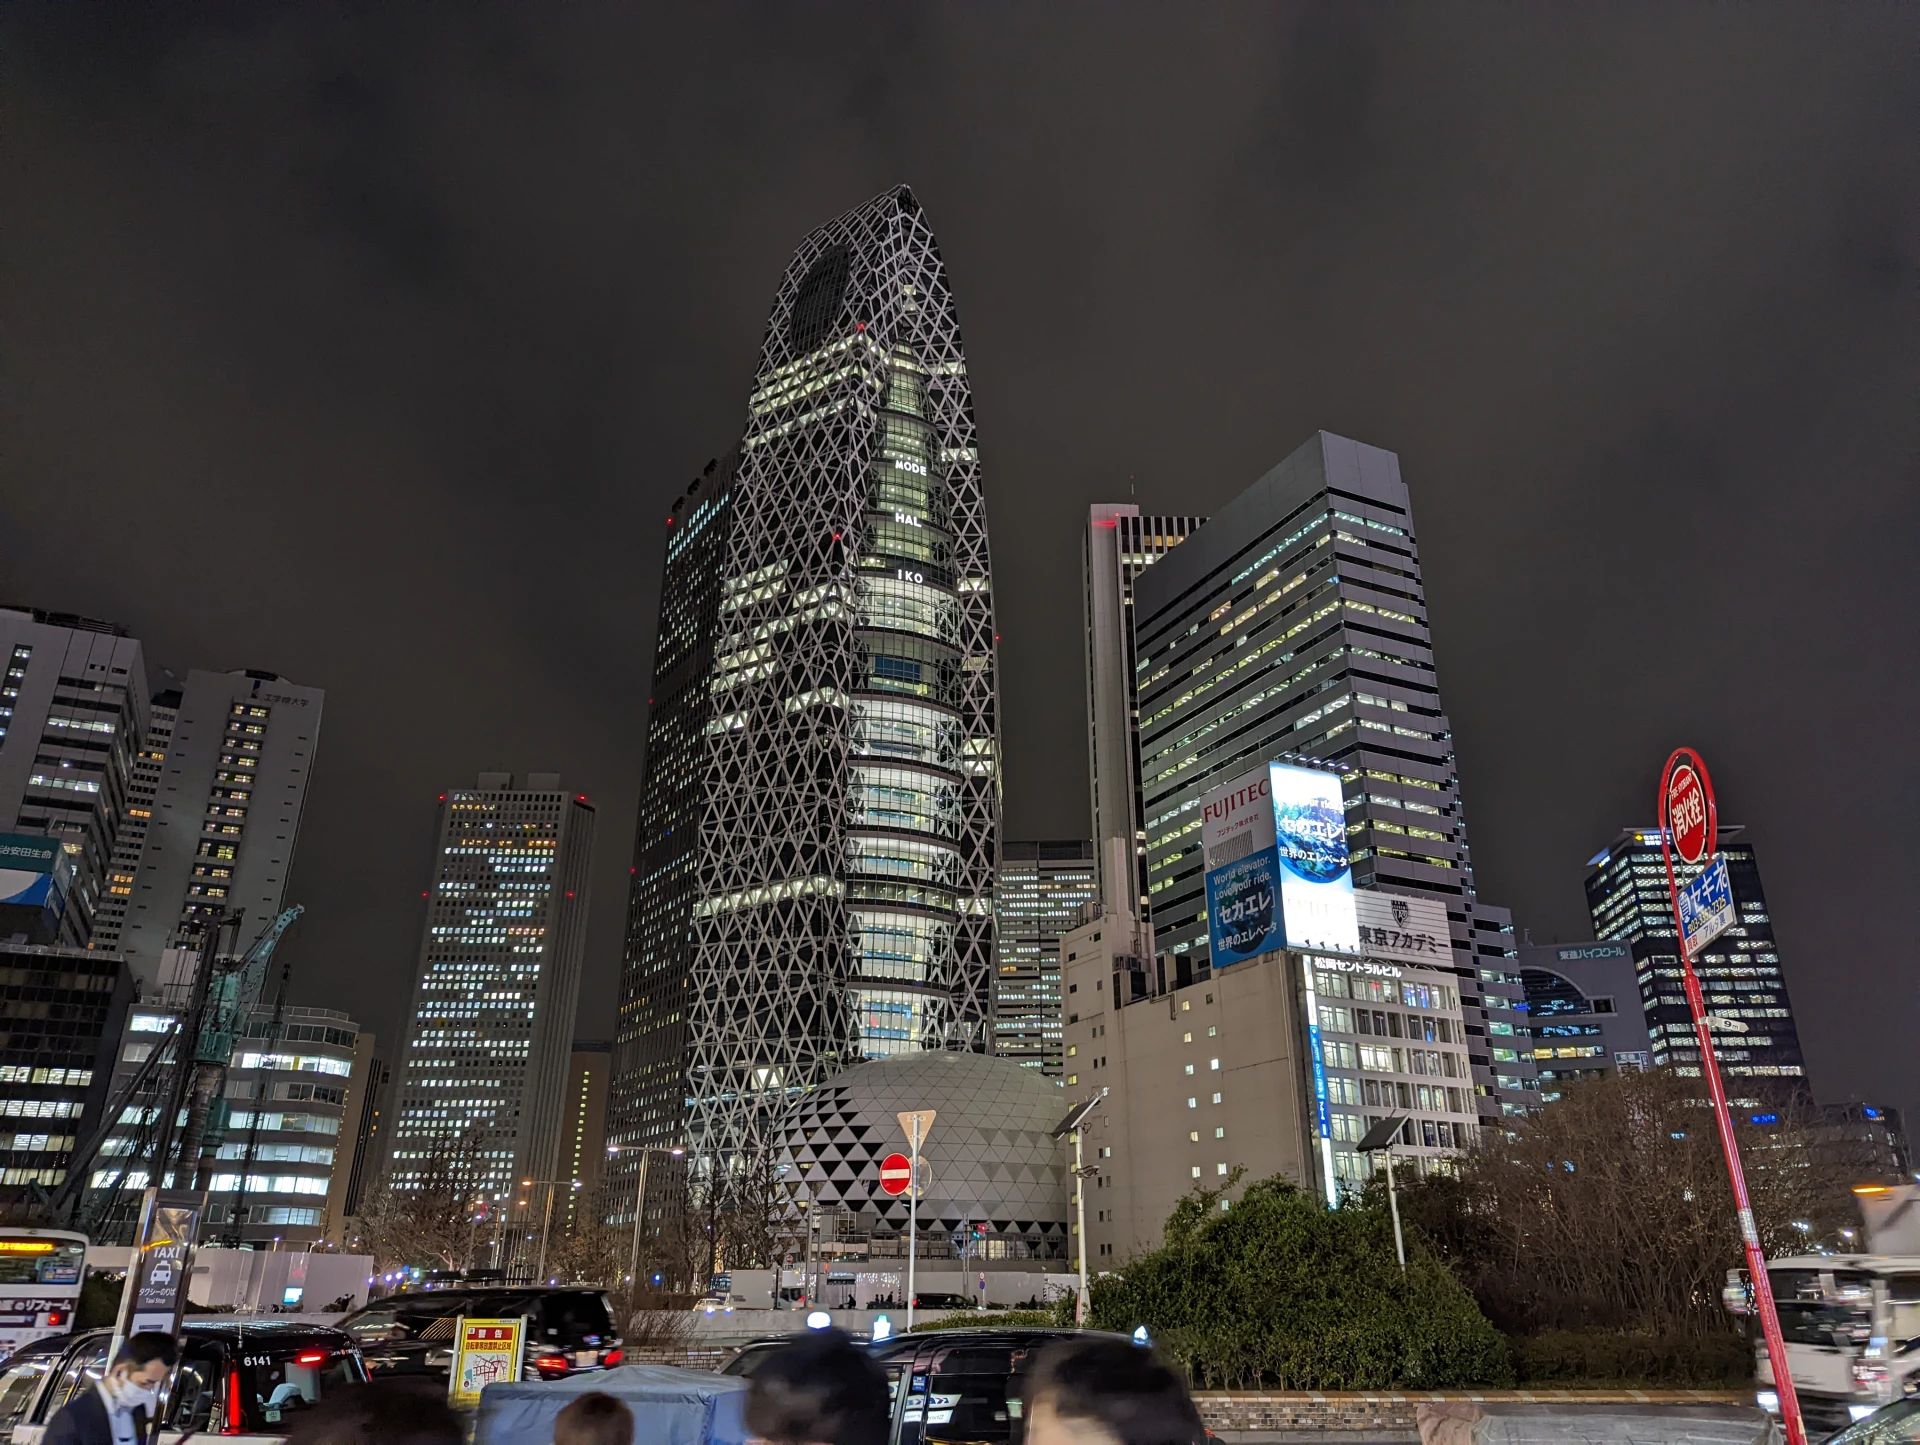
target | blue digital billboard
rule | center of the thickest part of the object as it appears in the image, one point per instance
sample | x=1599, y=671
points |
x=1278, y=875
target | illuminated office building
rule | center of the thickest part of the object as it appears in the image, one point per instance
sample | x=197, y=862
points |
x=1583, y=1012
x=226, y=805
x=131, y=842
x=73, y=709
x=1044, y=890
x=814, y=862
x=1120, y=545
x=1294, y=622
x=583, y=1142
x=1739, y=971
x=484, y=1074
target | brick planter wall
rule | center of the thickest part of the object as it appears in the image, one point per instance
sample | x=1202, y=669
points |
x=1392, y=1413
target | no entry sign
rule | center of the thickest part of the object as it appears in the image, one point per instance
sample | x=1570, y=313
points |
x=1688, y=804
x=896, y=1173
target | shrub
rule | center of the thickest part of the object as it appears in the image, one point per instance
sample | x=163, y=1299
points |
x=976, y=1319
x=1279, y=1291
x=1633, y=1357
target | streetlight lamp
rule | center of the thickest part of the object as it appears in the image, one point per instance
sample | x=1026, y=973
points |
x=1379, y=1140
x=1076, y=1124
x=646, y=1152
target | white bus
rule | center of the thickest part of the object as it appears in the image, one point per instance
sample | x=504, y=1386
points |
x=40, y=1275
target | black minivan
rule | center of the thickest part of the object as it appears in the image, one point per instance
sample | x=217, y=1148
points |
x=569, y=1329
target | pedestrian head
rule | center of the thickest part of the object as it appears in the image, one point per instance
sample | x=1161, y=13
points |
x=387, y=1412
x=596, y=1418
x=144, y=1360
x=1091, y=1391
x=822, y=1389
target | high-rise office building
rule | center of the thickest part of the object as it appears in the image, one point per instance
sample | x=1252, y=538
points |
x=61, y=1012
x=1739, y=971
x=1044, y=890
x=370, y=1111
x=1583, y=1012
x=1120, y=545
x=73, y=710
x=484, y=1073
x=814, y=865
x=1294, y=622
x=583, y=1133
x=282, y=1157
x=131, y=843
x=226, y=811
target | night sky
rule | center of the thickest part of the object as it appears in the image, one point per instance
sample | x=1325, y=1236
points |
x=368, y=345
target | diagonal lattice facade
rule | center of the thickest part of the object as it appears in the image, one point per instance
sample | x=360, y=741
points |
x=824, y=894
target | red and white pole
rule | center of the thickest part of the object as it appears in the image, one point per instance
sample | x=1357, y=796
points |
x=1689, y=817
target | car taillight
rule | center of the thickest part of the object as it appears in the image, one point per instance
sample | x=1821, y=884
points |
x=612, y=1358
x=233, y=1424
x=310, y=1357
x=549, y=1365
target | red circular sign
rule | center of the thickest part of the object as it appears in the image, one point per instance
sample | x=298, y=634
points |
x=1689, y=809
x=896, y=1172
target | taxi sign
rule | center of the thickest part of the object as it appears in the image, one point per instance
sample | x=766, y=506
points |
x=485, y=1352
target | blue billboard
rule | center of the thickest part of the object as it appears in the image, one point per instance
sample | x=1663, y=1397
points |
x=34, y=878
x=1278, y=875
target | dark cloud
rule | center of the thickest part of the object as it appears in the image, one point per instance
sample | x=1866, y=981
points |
x=367, y=345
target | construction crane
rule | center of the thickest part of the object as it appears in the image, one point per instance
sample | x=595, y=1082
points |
x=232, y=994
x=224, y=994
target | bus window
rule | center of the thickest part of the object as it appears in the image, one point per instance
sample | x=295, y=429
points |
x=41, y=1260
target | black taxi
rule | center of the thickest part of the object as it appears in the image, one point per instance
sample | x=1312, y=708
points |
x=238, y=1379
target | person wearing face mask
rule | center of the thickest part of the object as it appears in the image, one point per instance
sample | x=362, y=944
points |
x=116, y=1409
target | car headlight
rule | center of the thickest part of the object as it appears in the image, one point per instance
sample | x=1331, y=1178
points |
x=1768, y=1400
x=1860, y=1412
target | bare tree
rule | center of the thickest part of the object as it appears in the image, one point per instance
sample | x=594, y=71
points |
x=1610, y=1208
x=756, y=1215
x=440, y=1222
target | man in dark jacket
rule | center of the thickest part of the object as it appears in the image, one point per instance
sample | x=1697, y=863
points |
x=115, y=1410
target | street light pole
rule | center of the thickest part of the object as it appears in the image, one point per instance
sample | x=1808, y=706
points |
x=639, y=1211
x=546, y=1223
x=913, y=1220
x=1393, y=1204
x=1379, y=1140
x=1076, y=1124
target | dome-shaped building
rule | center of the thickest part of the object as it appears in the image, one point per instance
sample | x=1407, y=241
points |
x=990, y=1155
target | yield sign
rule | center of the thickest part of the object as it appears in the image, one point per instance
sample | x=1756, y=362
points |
x=916, y=1125
x=896, y=1172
